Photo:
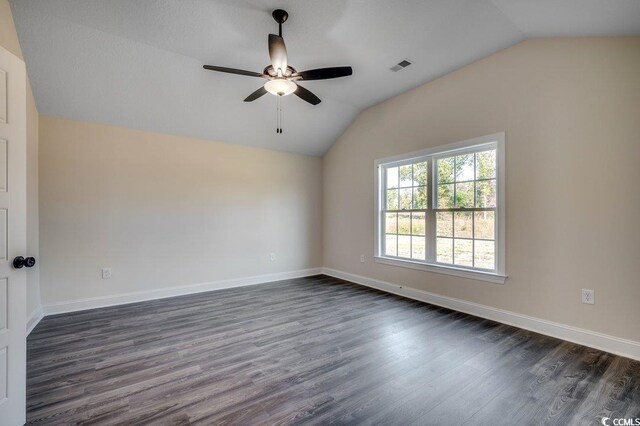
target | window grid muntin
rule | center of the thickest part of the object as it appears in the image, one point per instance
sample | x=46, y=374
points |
x=455, y=182
x=410, y=211
x=431, y=201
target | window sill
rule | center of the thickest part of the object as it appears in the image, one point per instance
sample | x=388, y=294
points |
x=441, y=269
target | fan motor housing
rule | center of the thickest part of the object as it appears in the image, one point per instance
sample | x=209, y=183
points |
x=272, y=73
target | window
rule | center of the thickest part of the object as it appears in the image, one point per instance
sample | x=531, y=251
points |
x=405, y=211
x=442, y=209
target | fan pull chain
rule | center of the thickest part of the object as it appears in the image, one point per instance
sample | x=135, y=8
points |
x=278, y=115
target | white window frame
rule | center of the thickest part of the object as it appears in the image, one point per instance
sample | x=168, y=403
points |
x=496, y=140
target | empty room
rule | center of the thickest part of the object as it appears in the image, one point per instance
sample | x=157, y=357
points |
x=277, y=212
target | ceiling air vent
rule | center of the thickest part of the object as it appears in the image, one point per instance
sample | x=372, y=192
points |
x=400, y=65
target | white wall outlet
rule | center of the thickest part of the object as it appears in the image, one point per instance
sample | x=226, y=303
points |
x=588, y=296
x=362, y=258
x=106, y=273
x=272, y=257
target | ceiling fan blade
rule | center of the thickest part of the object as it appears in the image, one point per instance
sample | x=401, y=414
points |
x=278, y=53
x=306, y=95
x=325, y=73
x=255, y=95
x=233, y=71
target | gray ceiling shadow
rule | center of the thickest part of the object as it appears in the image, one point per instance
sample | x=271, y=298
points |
x=317, y=22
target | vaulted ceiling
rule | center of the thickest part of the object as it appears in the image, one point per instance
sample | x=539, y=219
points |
x=138, y=64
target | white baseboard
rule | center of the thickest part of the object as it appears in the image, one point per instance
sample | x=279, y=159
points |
x=612, y=344
x=141, y=296
x=615, y=345
x=34, y=319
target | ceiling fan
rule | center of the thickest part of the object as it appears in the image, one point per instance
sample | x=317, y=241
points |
x=282, y=79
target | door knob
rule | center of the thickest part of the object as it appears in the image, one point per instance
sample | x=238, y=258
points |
x=20, y=262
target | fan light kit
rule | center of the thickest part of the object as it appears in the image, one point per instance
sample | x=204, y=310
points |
x=282, y=78
x=280, y=87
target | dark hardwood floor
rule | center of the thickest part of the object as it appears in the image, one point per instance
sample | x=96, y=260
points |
x=314, y=350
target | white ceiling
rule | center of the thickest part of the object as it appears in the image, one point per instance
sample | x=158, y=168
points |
x=138, y=64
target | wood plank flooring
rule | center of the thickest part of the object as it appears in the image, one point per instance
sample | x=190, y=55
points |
x=314, y=350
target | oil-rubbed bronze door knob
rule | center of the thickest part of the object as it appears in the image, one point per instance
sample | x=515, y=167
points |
x=20, y=262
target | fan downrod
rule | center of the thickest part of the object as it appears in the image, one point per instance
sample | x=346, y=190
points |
x=280, y=16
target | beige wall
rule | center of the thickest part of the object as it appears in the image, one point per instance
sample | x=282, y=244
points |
x=571, y=112
x=9, y=40
x=165, y=211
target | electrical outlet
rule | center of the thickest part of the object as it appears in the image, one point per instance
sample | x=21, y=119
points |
x=106, y=273
x=272, y=257
x=588, y=296
x=362, y=258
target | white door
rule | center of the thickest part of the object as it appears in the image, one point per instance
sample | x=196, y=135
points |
x=13, y=238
